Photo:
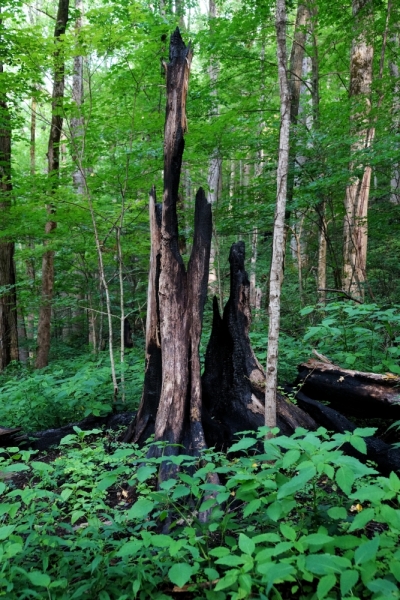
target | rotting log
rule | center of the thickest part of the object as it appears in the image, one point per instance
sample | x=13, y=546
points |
x=43, y=440
x=353, y=392
x=13, y=436
x=234, y=381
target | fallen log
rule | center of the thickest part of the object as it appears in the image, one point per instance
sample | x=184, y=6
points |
x=43, y=440
x=367, y=395
x=384, y=455
x=11, y=436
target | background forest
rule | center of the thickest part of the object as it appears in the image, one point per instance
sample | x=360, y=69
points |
x=82, y=112
x=75, y=233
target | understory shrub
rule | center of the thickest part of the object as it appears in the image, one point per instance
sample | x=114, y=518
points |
x=66, y=391
x=292, y=517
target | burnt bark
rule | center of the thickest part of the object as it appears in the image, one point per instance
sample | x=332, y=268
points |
x=234, y=381
x=353, y=392
x=143, y=426
x=53, y=156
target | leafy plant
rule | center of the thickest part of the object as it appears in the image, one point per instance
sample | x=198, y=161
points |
x=291, y=516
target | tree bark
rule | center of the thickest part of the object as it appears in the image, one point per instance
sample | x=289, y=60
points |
x=233, y=380
x=53, y=156
x=353, y=392
x=295, y=86
x=357, y=192
x=171, y=401
x=278, y=242
x=8, y=297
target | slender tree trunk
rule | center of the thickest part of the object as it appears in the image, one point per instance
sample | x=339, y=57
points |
x=295, y=86
x=278, y=243
x=357, y=192
x=8, y=299
x=395, y=74
x=53, y=154
x=215, y=164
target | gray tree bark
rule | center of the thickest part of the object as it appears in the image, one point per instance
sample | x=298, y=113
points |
x=278, y=242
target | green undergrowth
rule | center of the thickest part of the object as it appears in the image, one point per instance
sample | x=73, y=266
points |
x=364, y=337
x=292, y=517
x=67, y=390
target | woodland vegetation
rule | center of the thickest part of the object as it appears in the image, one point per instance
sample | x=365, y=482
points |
x=249, y=150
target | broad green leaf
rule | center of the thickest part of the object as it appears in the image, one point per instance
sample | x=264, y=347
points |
x=243, y=444
x=246, y=544
x=348, y=580
x=360, y=520
x=275, y=571
x=144, y=473
x=219, y=551
x=383, y=586
x=66, y=493
x=290, y=458
x=140, y=509
x=325, y=585
x=231, y=560
x=77, y=514
x=206, y=505
x=41, y=467
x=296, y=483
x=3, y=488
x=395, y=569
x=252, y=507
x=359, y=444
x=180, y=573
x=274, y=511
x=227, y=581
x=5, y=531
x=39, y=579
x=288, y=532
x=345, y=479
x=337, y=512
x=16, y=468
x=106, y=482
x=161, y=540
x=212, y=574
x=317, y=539
x=366, y=551
x=130, y=548
x=325, y=564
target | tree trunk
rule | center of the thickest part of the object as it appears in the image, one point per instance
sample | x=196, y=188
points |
x=8, y=298
x=295, y=85
x=171, y=401
x=233, y=380
x=53, y=155
x=357, y=192
x=353, y=392
x=278, y=243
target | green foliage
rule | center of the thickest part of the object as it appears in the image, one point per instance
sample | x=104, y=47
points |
x=296, y=518
x=67, y=391
x=362, y=336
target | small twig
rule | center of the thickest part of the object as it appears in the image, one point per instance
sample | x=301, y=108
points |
x=345, y=294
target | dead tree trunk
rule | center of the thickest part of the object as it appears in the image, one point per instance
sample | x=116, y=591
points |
x=177, y=405
x=233, y=380
x=171, y=401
